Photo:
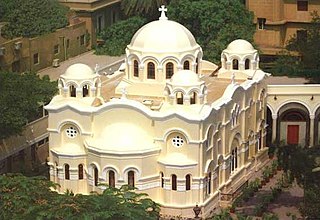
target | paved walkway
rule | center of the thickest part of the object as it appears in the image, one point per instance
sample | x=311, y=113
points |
x=88, y=58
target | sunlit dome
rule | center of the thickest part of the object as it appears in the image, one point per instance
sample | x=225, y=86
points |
x=163, y=36
x=185, y=78
x=79, y=71
x=240, y=46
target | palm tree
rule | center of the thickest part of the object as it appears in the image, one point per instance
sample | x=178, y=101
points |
x=148, y=8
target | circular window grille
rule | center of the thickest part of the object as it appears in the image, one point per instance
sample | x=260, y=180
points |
x=177, y=141
x=71, y=132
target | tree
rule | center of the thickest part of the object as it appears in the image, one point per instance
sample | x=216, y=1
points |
x=118, y=36
x=32, y=18
x=31, y=198
x=146, y=8
x=21, y=97
x=213, y=23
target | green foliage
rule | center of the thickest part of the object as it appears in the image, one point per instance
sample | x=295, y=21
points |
x=213, y=23
x=146, y=8
x=31, y=198
x=21, y=95
x=32, y=18
x=118, y=36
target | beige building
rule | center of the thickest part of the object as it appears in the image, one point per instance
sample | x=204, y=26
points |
x=33, y=54
x=278, y=20
x=98, y=14
x=161, y=123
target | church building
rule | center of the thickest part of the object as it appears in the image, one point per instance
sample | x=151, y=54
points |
x=169, y=123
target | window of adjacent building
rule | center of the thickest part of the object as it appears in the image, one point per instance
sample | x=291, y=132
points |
x=67, y=171
x=56, y=49
x=235, y=64
x=151, y=70
x=174, y=182
x=85, y=91
x=135, y=68
x=177, y=141
x=72, y=91
x=71, y=132
x=99, y=23
x=82, y=39
x=80, y=171
x=112, y=181
x=302, y=35
x=35, y=58
x=131, y=178
x=33, y=152
x=41, y=142
x=186, y=65
x=68, y=43
x=261, y=23
x=302, y=5
x=169, y=70
x=188, y=182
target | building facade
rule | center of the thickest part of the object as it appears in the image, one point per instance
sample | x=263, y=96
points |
x=33, y=54
x=161, y=123
x=98, y=14
x=278, y=20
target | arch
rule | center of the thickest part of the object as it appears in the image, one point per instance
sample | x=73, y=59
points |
x=80, y=171
x=186, y=65
x=150, y=59
x=316, y=126
x=209, y=135
x=209, y=164
x=151, y=72
x=135, y=169
x=247, y=64
x=174, y=182
x=66, y=171
x=106, y=169
x=61, y=82
x=176, y=130
x=70, y=122
x=169, y=70
x=135, y=68
x=273, y=112
x=188, y=182
x=292, y=102
x=133, y=56
x=169, y=59
x=235, y=64
x=71, y=82
x=174, y=91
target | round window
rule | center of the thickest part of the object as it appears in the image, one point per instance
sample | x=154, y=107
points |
x=177, y=141
x=71, y=132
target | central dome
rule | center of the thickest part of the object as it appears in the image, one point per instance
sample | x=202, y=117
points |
x=163, y=36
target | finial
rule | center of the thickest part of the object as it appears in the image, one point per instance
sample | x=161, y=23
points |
x=233, y=76
x=163, y=16
x=96, y=69
x=124, y=93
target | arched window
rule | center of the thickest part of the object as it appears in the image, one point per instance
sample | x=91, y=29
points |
x=112, y=181
x=188, y=182
x=209, y=183
x=235, y=64
x=151, y=71
x=85, y=91
x=162, y=180
x=80, y=171
x=131, y=178
x=197, y=65
x=72, y=91
x=67, y=171
x=174, y=182
x=234, y=159
x=247, y=64
x=135, y=68
x=96, y=177
x=179, y=97
x=186, y=65
x=169, y=70
x=193, y=98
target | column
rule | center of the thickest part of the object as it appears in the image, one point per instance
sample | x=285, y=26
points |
x=311, y=130
x=274, y=127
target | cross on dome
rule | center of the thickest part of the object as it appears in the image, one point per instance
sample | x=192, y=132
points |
x=163, y=16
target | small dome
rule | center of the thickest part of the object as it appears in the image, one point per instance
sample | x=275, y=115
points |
x=240, y=46
x=79, y=71
x=185, y=78
x=163, y=36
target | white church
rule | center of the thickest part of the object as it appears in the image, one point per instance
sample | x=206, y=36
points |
x=169, y=123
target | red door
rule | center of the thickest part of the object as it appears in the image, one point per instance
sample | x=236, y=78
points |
x=293, y=134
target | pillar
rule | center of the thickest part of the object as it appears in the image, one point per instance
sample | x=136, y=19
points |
x=311, y=143
x=274, y=127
